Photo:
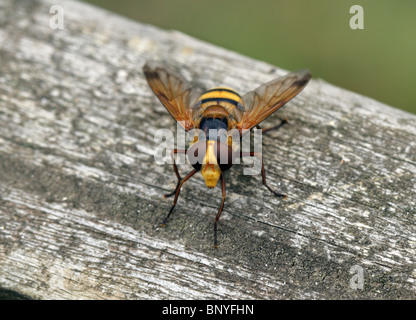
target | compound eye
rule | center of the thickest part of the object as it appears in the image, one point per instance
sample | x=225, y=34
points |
x=225, y=155
x=196, y=154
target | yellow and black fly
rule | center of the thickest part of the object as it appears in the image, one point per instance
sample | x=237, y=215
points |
x=220, y=109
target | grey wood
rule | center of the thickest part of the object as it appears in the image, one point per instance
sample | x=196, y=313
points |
x=81, y=194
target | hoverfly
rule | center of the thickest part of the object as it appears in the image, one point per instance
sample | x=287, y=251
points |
x=218, y=108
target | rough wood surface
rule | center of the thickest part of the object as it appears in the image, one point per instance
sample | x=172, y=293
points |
x=80, y=193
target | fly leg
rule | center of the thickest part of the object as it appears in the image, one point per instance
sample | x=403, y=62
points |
x=178, y=189
x=264, y=130
x=175, y=168
x=219, y=210
x=263, y=172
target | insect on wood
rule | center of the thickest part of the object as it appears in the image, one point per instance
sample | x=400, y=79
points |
x=214, y=110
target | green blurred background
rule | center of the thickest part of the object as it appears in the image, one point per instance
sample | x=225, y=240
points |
x=378, y=61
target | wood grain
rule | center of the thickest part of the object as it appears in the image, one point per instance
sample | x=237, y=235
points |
x=81, y=195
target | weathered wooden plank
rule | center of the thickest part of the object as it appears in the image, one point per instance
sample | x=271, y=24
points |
x=80, y=191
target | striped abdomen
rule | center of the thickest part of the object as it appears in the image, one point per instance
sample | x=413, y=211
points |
x=220, y=103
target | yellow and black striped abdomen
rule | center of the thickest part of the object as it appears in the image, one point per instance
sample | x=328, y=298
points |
x=221, y=101
x=220, y=96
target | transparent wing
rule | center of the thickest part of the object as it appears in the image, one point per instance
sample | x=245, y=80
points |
x=177, y=95
x=266, y=99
